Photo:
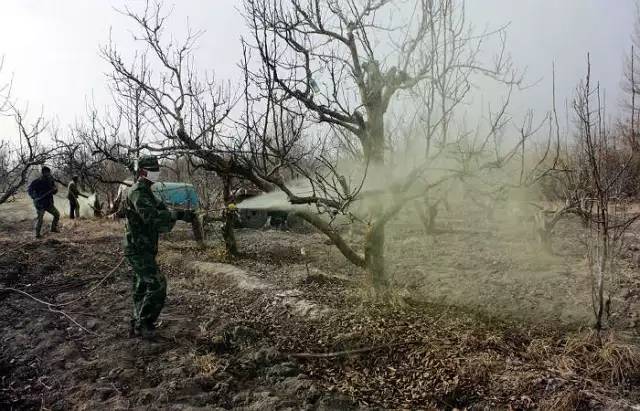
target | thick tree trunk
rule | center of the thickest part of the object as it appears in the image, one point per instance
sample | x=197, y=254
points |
x=375, y=237
x=198, y=230
x=374, y=256
x=228, y=234
x=374, y=143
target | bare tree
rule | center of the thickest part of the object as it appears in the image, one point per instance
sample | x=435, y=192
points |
x=606, y=224
x=17, y=159
x=24, y=150
x=188, y=112
x=344, y=66
x=455, y=65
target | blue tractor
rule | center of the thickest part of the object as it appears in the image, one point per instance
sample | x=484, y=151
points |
x=183, y=196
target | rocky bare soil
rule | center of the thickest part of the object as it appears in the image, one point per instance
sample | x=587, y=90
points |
x=278, y=329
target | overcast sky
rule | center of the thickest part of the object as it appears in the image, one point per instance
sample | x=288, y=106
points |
x=51, y=47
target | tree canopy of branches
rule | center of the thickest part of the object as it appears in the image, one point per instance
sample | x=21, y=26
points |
x=161, y=90
x=20, y=152
x=344, y=66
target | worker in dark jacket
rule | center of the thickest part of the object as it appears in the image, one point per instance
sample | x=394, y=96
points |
x=72, y=194
x=147, y=217
x=41, y=190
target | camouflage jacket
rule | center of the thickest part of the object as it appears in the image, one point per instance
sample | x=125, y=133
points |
x=147, y=217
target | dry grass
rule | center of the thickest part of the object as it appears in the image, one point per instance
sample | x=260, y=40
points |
x=617, y=361
x=605, y=359
x=588, y=369
x=564, y=400
x=207, y=364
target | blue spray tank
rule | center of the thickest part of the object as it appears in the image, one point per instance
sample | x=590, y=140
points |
x=177, y=195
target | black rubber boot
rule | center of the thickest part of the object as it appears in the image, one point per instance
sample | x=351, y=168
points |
x=134, y=330
x=148, y=332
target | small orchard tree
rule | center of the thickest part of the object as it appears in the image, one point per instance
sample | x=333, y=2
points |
x=20, y=153
x=606, y=223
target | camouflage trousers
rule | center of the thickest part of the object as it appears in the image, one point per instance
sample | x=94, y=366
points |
x=40, y=217
x=149, y=289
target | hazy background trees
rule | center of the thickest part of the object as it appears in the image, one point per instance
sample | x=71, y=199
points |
x=24, y=150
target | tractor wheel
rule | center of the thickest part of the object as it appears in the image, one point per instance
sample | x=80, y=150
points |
x=197, y=225
x=252, y=218
x=278, y=219
x=297, y=224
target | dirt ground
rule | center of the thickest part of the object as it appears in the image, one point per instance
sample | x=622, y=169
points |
x=480, y=318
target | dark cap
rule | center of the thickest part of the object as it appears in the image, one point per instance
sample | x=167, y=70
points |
x=149, y=163
x=45, y=169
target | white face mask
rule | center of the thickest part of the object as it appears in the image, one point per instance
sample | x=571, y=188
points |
x=153, y=175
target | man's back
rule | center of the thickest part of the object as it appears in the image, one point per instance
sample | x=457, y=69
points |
x=41, y=190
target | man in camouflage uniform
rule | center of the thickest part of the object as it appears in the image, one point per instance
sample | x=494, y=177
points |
x=147, y=217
